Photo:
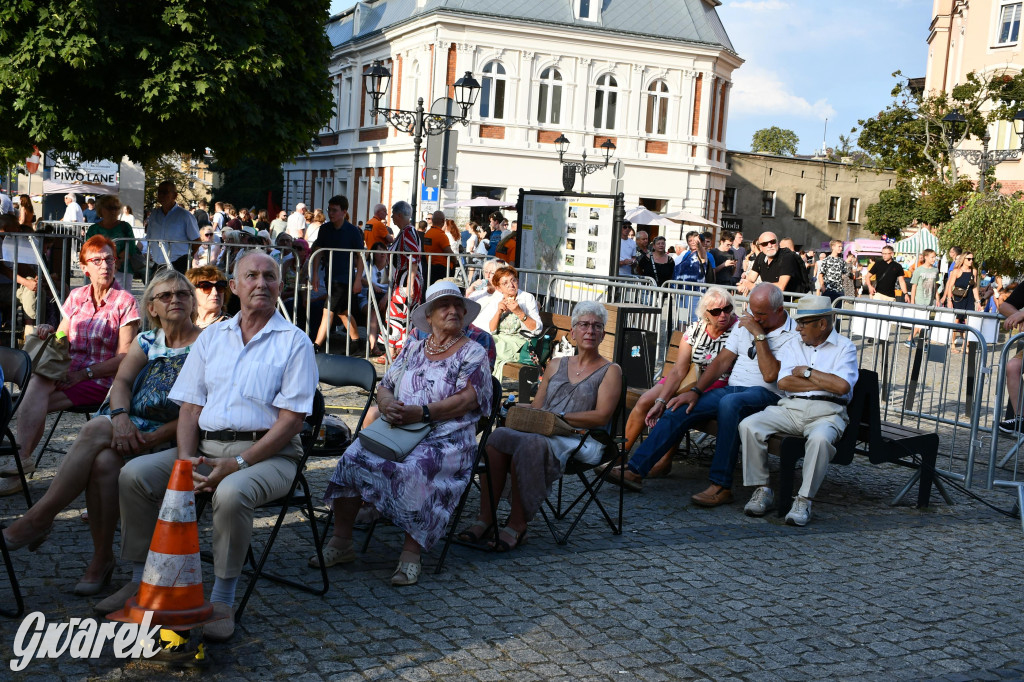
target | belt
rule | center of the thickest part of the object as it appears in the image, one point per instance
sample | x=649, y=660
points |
x=230, y=436
x=826, y=398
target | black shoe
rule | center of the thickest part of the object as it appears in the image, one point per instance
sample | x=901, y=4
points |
x=1011, y=425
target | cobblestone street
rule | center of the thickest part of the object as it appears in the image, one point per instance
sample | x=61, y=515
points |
x=866, y=591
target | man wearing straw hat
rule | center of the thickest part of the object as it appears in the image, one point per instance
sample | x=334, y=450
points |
x=817, y=371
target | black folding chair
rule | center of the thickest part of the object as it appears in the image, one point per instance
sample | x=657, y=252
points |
x=17, y=368
x=87, y=410
x=614, y=443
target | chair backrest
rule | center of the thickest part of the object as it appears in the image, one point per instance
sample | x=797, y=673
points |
x=486, y=422
x=314, y=420
x=863, y=408
x=342, y=371
x=17, y=368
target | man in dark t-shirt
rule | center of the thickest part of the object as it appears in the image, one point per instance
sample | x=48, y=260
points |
x=888, y=274
x=774, y=265
x=344, y=270
x=725, y=259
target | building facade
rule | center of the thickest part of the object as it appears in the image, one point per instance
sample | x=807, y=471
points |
x=810, y=200
x=655, y=82
x=982, y=36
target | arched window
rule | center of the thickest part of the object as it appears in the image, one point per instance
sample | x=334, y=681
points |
x=549, y=101
x=492, y=92
x=606, y=95
x=657, y=108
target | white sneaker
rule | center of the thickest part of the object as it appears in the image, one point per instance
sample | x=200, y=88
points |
x=800, y=513
x=762, y=501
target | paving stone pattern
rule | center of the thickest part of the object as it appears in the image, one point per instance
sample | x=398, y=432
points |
x=865, y=592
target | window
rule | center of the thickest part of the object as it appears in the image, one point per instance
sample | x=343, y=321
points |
x=767, y=204
x=584, y=9
x=346, y=103
x=853, y=213
x=1009, y=23
x=606, y=96
x=657, y=108
x=833, y=209
x=798, y=206
x=589, y=10
x=492, y=91
x=549, y=102
x=729, y=200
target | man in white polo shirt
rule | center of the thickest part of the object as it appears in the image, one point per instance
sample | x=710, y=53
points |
x=73, y=213
x=817, y=371
x=173, y=225
x=297, y=222
x=245, y=389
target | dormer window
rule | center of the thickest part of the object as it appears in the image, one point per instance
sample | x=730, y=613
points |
x=588, y=10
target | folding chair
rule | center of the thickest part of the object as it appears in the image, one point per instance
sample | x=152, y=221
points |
x=17, y=368
x=79, y=409
x=614, y=444
x=481, y=467
x=15, y=588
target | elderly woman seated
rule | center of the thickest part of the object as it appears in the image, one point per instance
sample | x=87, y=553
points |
x=584, y=390
x=701, y=342
x=101, y=321
x=212, y=294
x=137, y=418
x=510, y=315
x=442, y=380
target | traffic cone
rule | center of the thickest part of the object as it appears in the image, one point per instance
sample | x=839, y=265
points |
x=172, y=582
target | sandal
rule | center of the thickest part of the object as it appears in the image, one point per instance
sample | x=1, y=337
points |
x=503, y=545
x=407, y=572
x=474, y=534
x=333, y=555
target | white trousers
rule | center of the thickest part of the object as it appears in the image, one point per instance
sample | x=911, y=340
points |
x=821, y=422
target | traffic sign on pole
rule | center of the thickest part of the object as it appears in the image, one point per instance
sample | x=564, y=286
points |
x=428, y=193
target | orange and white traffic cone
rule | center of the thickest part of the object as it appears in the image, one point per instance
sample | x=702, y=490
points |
x=172, y=582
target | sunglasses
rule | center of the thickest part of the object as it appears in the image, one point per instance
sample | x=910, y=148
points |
x=752, y=351
x=166, y=296
x=715, y=312
x=968, y=259
x=770, y=242
x=206, y=285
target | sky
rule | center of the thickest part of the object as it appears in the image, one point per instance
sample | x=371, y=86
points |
x=811, y=60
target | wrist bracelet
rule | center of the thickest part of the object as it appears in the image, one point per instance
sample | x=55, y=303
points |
x=696, y=390
x=661, y=400
x=426, y=414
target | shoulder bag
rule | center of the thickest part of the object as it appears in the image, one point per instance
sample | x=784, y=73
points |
x=50, y=358
x=542, y=422
x=393, y=442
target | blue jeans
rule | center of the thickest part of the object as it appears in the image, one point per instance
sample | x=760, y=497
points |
x=723, y=404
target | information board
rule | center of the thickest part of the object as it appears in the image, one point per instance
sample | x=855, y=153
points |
x=568, y=234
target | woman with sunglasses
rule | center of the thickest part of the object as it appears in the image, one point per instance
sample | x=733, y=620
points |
x=701, y=342
x=136, y=418
x=101, y=321
x=961, y=291
x=212, y=294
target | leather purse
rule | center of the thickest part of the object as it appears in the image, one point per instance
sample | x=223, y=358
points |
x=542, y=422
x=393, y=442
x=50, y=358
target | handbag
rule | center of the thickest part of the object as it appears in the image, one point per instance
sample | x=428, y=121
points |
x=537, y=350
x=531, y=420
x=393, y=442
x=50, y=358
x=959, y=293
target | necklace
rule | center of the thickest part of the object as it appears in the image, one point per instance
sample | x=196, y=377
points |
x=435, y=349
x=579, y=366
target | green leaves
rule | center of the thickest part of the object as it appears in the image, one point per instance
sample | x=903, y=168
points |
x=775, y=140
x=991, y=226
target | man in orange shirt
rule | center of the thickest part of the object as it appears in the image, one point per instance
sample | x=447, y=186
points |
x=435, y=241
x=376, y=228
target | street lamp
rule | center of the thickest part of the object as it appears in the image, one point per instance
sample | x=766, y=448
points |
x=983, y=158
x=570, y=168
x=418, y=122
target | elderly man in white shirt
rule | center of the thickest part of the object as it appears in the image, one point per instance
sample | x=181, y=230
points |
x=172, y=224
x=297, y=222
x=73, y=213
x=244, y=390
x=817, y=371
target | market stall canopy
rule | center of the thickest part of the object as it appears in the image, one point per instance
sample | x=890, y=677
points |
x=481, y=202
x=81, y=188
x=644, y=216
x=924, y=239
x=693, y=218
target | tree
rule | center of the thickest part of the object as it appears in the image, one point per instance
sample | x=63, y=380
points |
x=147, y=78
x=775, y=140
x=991, y=226
x=896, y=209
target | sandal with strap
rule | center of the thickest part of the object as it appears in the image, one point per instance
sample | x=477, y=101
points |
x=406, y=573
x=333, y=556
x=503, y=545
x=475, y=533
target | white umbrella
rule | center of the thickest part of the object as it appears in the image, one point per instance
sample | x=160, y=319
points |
x=687, y=217
x=481, y=202
x=643, y=216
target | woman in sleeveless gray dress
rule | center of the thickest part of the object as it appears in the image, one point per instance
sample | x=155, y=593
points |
x=583, y=390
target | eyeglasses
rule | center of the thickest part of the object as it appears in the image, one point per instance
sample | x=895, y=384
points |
x=587, y=326
x=96, y=262
x=715, y=312
x=206, y=285
x=166, y=296
x=770, y=242
x=968, y=259
x=805, y=322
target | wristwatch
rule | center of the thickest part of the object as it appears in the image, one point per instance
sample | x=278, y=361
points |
x=760, y=337
x=696, y=390
x=661, y=400
x=426, y=414
x=120, y=410
x=89, y=373
x=242, y=464
x=807, y=373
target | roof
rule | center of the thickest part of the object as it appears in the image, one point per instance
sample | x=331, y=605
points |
x=691, y=21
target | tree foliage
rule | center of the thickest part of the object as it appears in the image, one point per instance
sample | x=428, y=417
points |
x=900, y=206
x=991, y=226
x=147, y=78
x=247, y=183
x=775, y=140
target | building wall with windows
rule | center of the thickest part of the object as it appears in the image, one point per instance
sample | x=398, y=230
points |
x=810, y=200
x=589, y=69
x=983, y=36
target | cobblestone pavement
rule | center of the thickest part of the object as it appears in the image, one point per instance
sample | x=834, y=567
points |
x=865, y=592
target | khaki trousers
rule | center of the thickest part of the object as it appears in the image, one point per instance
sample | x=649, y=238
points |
x=143, y=481
x=822, y=423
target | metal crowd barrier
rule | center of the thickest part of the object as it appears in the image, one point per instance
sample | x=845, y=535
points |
x=997, y=460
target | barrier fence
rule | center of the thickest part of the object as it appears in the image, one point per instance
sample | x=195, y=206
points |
x=998, y=460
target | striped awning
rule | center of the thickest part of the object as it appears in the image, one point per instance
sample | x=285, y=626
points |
x=924, y=239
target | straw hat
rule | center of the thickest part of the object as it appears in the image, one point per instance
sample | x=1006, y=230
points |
x=813, y=306
x=435, y=293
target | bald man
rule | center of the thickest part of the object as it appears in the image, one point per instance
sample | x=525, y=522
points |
x=376, y=228
x=775, y=265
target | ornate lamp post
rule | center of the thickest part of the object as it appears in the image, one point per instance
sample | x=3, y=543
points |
x=983, y=158
x=570, y=168
x=418, y=122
